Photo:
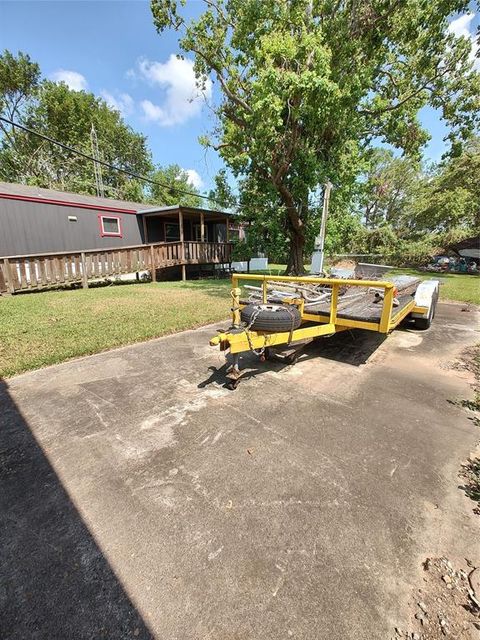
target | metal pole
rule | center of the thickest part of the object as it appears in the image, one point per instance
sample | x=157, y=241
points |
x=318, y=252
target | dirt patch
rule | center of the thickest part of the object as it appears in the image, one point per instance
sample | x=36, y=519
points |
x=448, y=604
x=469, y=360
x=470, y=474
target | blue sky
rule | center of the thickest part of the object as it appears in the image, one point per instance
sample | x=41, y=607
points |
x=112, y=49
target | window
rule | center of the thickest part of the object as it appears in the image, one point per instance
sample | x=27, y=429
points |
x=172, y=232
x=110, y=226
x=197, y=232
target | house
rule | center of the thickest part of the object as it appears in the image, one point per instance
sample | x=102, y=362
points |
x=52, y=237
x=35, y=220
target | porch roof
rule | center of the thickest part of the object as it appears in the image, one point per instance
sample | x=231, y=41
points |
x=167, y=211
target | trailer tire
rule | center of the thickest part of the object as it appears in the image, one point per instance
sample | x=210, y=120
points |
x=271, y=317
x=425, y=323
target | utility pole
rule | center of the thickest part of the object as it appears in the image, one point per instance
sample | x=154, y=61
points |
x=97, y=168
x=318, y=252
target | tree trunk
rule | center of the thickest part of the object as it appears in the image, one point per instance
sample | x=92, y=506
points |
x=296, y=257
x=296, y=230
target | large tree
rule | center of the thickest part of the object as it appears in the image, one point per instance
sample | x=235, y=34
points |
x=450, y=198
x=307, y=84
x=388, y=190
x=173, y=187
x=20, y=79
x=63, y=114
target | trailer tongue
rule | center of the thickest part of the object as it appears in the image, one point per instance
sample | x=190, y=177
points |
x=308, y=308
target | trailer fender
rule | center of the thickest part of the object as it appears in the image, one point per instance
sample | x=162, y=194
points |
x=426, y=295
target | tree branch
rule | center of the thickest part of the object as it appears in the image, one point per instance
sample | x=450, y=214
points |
x=233, y=97
x=408, y=97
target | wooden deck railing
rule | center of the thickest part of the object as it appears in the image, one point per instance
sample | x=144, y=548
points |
x=37, y=271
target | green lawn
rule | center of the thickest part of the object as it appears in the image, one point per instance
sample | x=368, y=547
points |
x=39, y=329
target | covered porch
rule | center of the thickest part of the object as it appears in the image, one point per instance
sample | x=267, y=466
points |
x=192, y=235
x=180, y=224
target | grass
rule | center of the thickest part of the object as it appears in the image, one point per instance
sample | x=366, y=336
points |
x=40, y=329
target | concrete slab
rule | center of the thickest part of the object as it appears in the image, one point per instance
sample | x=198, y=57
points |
x=140, y=498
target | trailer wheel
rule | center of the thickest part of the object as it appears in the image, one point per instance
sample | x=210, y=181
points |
x=425, y=323
x=271, y=317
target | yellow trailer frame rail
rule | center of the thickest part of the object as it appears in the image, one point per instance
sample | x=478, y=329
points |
x=238, y=340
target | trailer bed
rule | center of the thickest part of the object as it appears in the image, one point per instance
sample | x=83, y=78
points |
x=363, y=309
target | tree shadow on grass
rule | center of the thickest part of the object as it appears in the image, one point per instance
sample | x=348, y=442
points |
x=56, y=582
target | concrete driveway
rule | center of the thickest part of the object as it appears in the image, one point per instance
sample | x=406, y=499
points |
x=142, y=499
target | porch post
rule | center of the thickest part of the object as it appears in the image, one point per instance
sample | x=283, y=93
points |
x=145, y=233
x=228, y=249
x=182, y=244
x=154, y=266
x=202, y=227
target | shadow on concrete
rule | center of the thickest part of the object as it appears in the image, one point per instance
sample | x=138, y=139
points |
x=353, y=347
x=55, y=581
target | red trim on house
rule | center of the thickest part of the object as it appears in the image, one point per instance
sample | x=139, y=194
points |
x=66, y=203
x=109, y=234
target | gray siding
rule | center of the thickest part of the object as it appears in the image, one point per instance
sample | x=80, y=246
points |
x=31, y=227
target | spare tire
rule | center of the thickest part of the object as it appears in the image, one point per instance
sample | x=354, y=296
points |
x=271, y=317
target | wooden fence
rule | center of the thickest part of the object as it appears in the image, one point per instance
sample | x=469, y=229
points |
x=37, y=271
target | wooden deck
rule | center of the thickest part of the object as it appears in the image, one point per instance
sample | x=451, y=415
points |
x=39, y=271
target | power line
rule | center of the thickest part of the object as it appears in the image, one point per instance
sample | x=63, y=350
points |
x=104, y=163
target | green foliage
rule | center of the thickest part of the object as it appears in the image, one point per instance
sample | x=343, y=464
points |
x=306, y=86
x=175, y=179
x=451, y=197
x=411, y=213
x=66, y=115
x=389, y=189
x=242, y=250
x=221, y=196
x=344, y=233
x=19, y=81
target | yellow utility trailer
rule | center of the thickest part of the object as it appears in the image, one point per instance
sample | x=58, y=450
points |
x=374, y=305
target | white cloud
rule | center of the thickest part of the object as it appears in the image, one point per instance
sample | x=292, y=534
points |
x=194, y=178
x=183, y=99
x=122, y=103
x=151, y=111
x=72, y=79
x=461, y=28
